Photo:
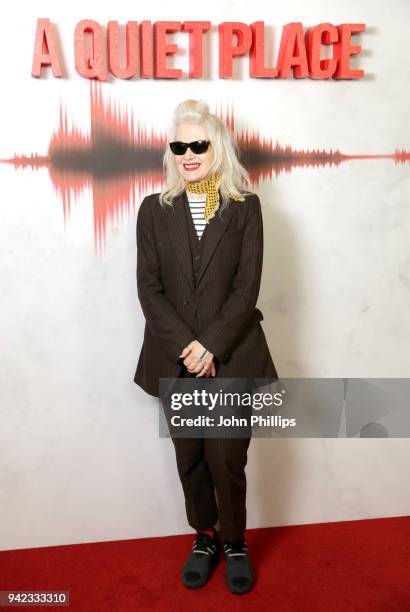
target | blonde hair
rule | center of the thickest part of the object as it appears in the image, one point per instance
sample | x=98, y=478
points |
x=234, y=177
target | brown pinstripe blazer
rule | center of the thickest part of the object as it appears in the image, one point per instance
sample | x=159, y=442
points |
x=219, y=310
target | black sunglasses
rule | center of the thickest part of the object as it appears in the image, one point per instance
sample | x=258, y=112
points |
x=197, y=146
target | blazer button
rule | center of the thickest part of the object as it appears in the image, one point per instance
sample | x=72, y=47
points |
x=226, y=357
x=186, y=302
x=196, y=257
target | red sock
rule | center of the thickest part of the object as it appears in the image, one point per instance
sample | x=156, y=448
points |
x=210, y=532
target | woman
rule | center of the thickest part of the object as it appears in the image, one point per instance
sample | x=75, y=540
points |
x=200, y=251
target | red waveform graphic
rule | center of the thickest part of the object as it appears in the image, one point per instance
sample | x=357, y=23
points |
x=120, y=160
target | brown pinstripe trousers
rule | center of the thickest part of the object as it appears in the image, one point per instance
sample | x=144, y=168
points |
x=209, y=464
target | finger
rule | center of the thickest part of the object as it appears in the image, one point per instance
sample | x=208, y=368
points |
x=204, y=370
x=188, y=348
x=194, y=367
x=197, y=365
x=193, y=363
x=186, y=351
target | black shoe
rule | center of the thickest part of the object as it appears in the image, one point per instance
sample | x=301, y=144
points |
x=238, y=569
x=204, y=556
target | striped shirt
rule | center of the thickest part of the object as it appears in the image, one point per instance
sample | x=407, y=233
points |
x=197, y=203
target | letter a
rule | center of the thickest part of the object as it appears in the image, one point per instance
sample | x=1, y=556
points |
x=45, y=49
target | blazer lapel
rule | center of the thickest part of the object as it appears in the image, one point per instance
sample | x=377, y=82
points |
x=213, y=234
x=179, y=238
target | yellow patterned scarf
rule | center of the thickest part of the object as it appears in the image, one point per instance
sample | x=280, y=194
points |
x=210, y=187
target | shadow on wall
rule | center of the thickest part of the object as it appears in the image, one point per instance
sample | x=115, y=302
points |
x=282, y=290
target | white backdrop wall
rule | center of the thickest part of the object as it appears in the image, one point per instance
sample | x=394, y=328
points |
x=80, y=458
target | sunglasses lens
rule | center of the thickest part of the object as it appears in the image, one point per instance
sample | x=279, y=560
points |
x=199, y=146
x=178, y=148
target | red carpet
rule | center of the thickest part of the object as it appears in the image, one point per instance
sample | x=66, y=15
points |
x=350, y=565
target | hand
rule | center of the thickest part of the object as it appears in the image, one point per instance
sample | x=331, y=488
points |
x=211, y=371
x=202, y=367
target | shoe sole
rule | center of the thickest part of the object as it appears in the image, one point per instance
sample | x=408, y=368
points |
x=234, y=590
